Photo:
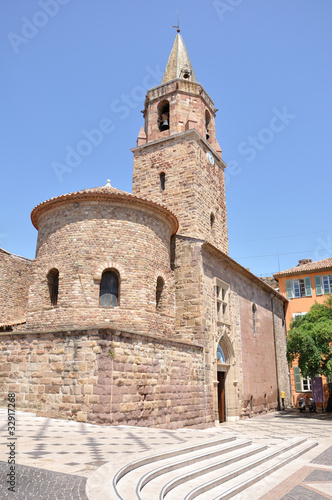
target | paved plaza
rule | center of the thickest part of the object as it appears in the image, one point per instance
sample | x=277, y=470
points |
x=66, y=460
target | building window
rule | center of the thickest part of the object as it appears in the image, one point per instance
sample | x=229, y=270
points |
x=221, y=358
x=222, y=301
x=163, y=116
x=159, y=292
x=254, y=309
x=109, y=289
x=162, y=177
x=298, y=288
x=212, y=219
x=323, y=284
x=53, y=286
x=301, y=384
x=306, y=384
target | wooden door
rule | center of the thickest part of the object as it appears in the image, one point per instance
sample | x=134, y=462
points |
x=221, y=396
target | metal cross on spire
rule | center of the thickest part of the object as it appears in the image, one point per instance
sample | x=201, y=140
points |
x=178, y=25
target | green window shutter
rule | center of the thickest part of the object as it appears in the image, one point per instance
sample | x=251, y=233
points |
x=307, y=282
x=289, y=289
x=318, y=284
x=297, y=375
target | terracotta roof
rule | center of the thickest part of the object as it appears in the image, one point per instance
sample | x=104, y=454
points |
x=310, y=267
x=103, y=193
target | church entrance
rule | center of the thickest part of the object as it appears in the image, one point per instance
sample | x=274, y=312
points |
x=221, y=396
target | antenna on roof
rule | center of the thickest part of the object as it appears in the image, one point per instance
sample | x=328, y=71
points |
x=178, y=25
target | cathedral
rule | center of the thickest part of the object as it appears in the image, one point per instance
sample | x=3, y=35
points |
x=132, y=311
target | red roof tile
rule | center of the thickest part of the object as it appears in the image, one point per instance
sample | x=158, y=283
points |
x=310, y=267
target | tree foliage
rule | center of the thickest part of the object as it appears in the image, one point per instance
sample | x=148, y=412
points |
x=310, y=340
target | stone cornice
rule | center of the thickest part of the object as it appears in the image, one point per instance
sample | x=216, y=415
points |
x=192, y=133
x=180, y=86
x=107, y=331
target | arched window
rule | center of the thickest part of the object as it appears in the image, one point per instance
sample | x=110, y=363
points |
x=159, y=292
x=163, y=115
x=162, y=177
x=207, y=124
x=53, y=285
x=109, y=289
x=221, y=358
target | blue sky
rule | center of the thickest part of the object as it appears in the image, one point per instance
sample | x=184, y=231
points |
x=72, y=66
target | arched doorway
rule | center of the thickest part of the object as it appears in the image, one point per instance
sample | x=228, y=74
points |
x=222, y=368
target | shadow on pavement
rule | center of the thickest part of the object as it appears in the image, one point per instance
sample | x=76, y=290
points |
x=294, y=413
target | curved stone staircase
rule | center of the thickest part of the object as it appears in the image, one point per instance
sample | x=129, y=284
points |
x=214, y=470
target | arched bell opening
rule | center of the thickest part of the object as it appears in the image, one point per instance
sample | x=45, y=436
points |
x=163, y=116
x=207, y=125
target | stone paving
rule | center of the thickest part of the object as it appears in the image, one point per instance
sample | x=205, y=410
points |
x=66, y=460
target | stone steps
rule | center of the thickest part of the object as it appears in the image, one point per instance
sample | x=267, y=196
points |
x=218, y=469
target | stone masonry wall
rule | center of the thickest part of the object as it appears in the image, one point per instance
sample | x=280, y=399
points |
x=82, y=240
x=281, y=349
x=14, y=287
x=194, y=189
x=106, y=377
x=251, y=354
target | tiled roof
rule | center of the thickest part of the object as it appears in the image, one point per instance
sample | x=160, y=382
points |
x=103, y=193
x=310, y=267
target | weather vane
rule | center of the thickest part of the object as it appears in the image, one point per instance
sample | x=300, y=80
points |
x=178, y=25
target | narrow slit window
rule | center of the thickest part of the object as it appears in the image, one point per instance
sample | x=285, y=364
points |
x=254, y=309
x=159, y=292
x=53, y=286
x=162, y=178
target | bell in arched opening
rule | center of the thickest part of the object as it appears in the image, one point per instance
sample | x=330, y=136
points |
x=207, y=123
x=163, y=116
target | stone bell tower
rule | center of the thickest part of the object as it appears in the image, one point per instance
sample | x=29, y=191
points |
x=177, y=161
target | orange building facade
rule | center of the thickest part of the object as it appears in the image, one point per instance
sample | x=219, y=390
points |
x=303, y=285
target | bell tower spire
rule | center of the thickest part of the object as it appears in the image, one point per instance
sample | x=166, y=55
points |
x=177, y=161
x=179, y=65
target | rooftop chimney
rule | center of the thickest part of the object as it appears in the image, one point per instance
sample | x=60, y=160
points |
x=304, y=261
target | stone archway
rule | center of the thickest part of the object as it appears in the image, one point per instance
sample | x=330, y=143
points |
x=226, y=384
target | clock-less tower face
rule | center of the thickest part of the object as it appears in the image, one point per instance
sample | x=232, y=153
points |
x=178, y=162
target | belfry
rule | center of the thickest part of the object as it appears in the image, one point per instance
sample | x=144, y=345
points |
x=180, y=125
